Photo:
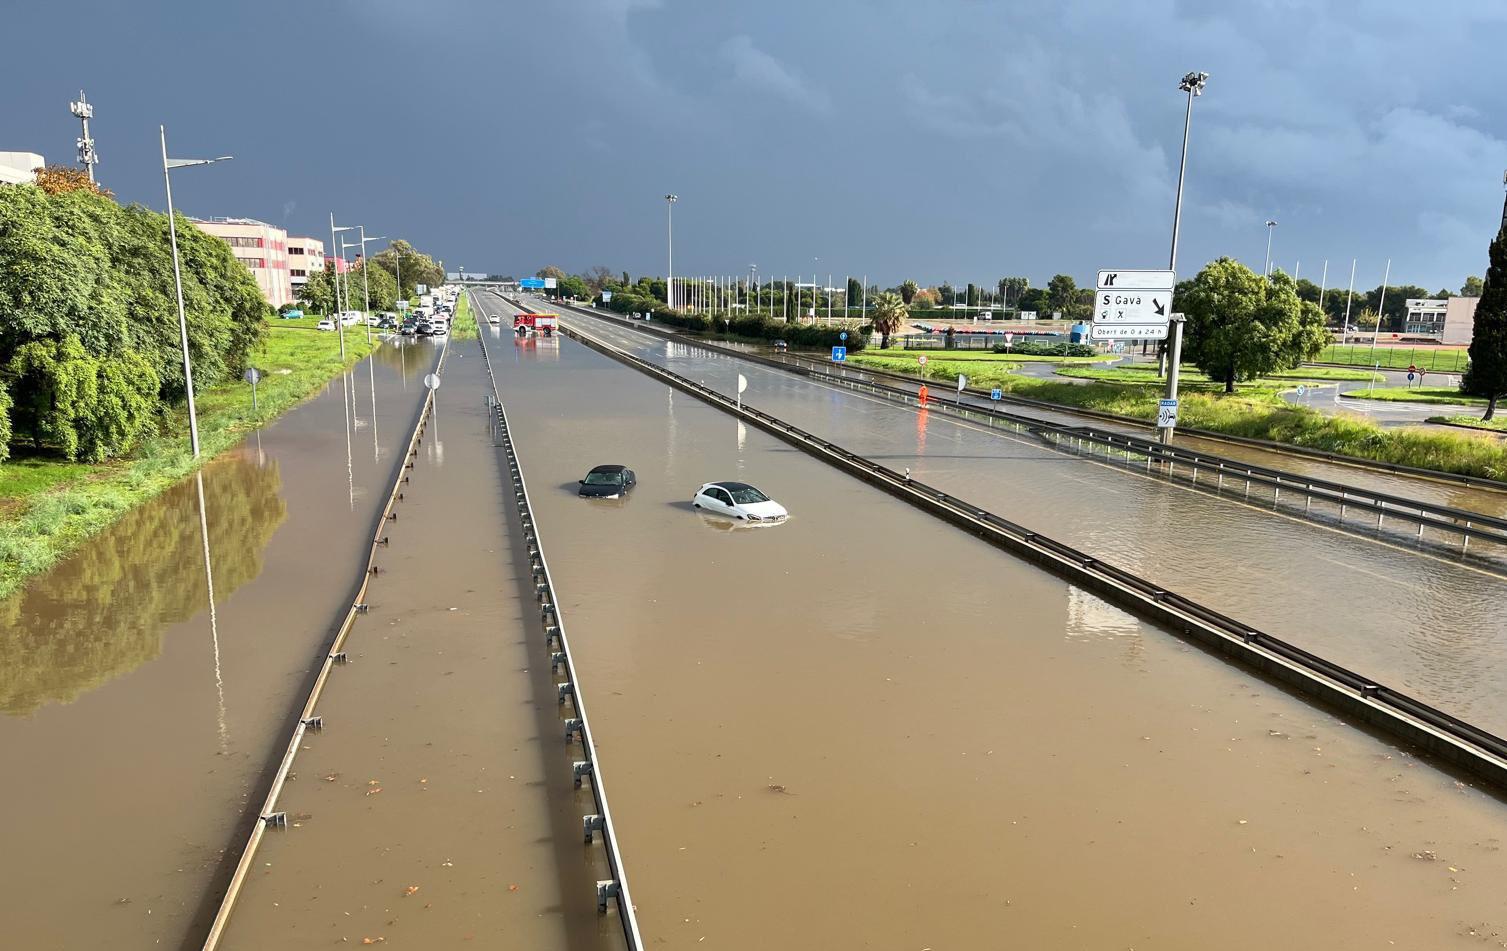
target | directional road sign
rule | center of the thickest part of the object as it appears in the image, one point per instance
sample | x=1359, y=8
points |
x=839, y=354
x=532, y=284
x=1132, y=305
x=996, y=394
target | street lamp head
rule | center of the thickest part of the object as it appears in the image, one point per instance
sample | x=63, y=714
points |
x=1270, y=223
x=346, y=228
x=185, y=163
x=672, y=198
x=1194, y=83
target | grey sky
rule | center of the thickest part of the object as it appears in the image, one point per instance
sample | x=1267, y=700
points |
x=946, y=140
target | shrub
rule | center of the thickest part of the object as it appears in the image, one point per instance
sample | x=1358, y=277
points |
x=1041, y=348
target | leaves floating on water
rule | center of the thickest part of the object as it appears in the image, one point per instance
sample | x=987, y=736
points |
x=410, y=890
x=376, y=940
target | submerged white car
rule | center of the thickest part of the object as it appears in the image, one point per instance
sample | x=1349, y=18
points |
x=738, y=500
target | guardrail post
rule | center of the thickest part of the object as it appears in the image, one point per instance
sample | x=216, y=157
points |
x=606, y=889
x=591, y=824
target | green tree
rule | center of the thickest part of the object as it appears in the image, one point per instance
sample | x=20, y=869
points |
x=946, y=295
x=1011, y=289
x=318, y=294
x=379, y=284
x=1241, y=325
x=855, y=291
x=1308, y=290
x=5, y=407
x=571, y=285
x=971, y=295
x=88, y=408
x=1365, y=319
x=889, y=313
x=416, y=267
x=908, y=290
x=1472, y=287
x=1062, y=295
x=1487, y=375
x=549, y=270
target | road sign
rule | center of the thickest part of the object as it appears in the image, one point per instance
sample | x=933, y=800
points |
x=742, y=383
x=1008, y=337
x=843, y=335
x=962, y=382
x=1127, y=332
x=402, y=305
x=1166, y=414
x=532, y=284
x=1410, y=376
x=1302, y=389
x=996, y=394
x=1028, y=315
x=839, y=354
x=922, y=359
x=551, y=283
x=1125, y=280
x=1132, y=307
x=251, y=375
x=606, y=296
x=432, y=381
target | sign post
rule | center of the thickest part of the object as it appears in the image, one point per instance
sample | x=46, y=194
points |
x=1008, y=337
x=1166, y=414
x=839, y=354
x=742, y=385
x=962, y=382
x=252, y=375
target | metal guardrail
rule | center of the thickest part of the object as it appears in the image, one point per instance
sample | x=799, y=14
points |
x=334, y=654
x=1464, y=523
x=614, y=889
x=1360, y=697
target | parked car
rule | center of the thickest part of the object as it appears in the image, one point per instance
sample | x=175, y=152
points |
x=291, y=314
x=738, y=500
x=494, y=319
x=607, y=482
x=326, y=324
x=350, y=317
x=386, y=323
x=781, y=346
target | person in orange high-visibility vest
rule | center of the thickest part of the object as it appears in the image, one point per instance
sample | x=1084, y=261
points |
x=923, y=394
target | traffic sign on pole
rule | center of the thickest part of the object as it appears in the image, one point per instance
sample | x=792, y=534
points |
x=996, y=394
x=839, y=354
x=1166, y=414
x=1132, y=305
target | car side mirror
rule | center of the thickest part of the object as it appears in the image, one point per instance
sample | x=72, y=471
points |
x=580, y=482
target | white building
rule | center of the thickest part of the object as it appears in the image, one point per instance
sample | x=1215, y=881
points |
x=263, y=248
x=1460, y=320
x=18, y=168
x=305, y=257
x=1425, y=317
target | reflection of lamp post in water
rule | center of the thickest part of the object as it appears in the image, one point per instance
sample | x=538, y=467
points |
x=214, y=624
x=350, y=475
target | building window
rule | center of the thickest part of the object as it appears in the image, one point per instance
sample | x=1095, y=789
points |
x=254, y=262
x=296, y=272
x=295, y=249
x=237, y=241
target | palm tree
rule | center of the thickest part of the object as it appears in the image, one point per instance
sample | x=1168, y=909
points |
x=890, y=313
x=908, y=292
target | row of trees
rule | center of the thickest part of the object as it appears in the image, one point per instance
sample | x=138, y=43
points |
x=376, y=276
x=90, y=359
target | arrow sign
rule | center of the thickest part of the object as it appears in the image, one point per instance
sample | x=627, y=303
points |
x=1129, y=280
x=1159, y=307
x=1132, y=307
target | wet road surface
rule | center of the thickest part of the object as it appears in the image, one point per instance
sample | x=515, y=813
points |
x=1428, y=625
x=436, y=807
x=137, y=714
x=863, y=728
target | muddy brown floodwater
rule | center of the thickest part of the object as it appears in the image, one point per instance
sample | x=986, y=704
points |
x=139, y=705
x=1414, y=619
x=863, y=728
x=436, y=809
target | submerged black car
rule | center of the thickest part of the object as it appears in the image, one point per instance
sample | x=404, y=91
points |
x=607, y=482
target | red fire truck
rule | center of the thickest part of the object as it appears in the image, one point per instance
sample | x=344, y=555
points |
x=528, y=325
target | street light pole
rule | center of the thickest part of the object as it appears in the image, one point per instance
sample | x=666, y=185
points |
x=670, y=201
x=172, y=230
x=1193, y=84
x=1270, y=227
x=366, y=295
x=336, y=246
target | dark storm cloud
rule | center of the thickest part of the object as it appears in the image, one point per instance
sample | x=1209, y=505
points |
x=941, y=141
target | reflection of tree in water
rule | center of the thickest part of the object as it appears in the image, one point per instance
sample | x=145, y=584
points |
x=102, y=612
x=409, y=357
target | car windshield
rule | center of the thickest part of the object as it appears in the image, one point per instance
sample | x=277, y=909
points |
x=604, y=478
x=748, y=495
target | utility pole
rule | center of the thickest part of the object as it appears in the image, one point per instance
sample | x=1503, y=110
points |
x=1270, y=227
x=670, y=201
x=1192, y=84
x=84, y=110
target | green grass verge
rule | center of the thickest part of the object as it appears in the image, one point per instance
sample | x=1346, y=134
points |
x=51, y=506
x=463, y=326
x=981, y=356
x=1191, y=378
x=1396, y=358
x=1259, y=416
x=1417, y=394
x=1497, y=425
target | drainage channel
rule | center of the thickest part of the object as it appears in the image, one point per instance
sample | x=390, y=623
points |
x=586, y=771
x=1355, y=695
x=334, y=654
x=1463, y=524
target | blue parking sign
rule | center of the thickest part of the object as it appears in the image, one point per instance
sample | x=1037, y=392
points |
x=839, y=354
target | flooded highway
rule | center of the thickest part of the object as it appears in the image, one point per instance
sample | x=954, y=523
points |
x=862, y=728
x=436, y=806
x=146, y=680
x=1428, y=625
